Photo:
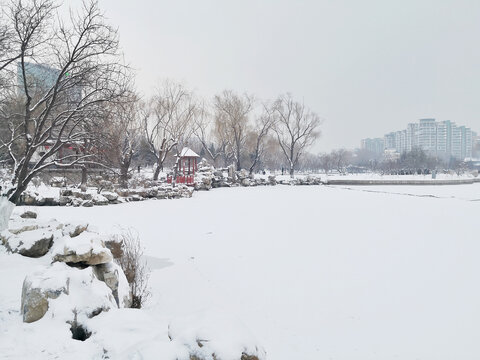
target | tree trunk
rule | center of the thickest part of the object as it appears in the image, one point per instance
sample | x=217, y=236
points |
x=6, y=209
x=83, y=183
x=124, y=176
x=157, y=172
x=292, y=170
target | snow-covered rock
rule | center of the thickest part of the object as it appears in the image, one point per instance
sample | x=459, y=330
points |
x=111, y=196
x=215, y=335
x=245, y=182
x=74, y=230
x=29, y=215
x=33, y=243
x=30, y=237
x=87, y=203
x=85, y=249
x=112, y=275
x=82, y=195
x=67, y=293
x=38, y=288
x=100, y=200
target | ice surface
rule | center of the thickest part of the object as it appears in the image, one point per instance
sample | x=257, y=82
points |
x=312, y=272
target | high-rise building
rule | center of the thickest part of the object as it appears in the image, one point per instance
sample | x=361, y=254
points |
x=444, y=140
x=456, y=142
x=389, y=141
x=374, y=146
x=412, y=136
x=401, y=141
x=427, y=136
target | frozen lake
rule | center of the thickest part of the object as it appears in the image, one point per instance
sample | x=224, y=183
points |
x=318, y=272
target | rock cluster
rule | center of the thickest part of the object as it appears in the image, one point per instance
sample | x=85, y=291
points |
x=76, y=197
x=29, y=237
x=309, y=180
x=207, y=177
x=82, y=268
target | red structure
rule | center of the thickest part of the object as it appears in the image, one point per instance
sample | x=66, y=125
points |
x=186, y=167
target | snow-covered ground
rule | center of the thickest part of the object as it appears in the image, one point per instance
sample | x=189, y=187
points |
x=317, y=272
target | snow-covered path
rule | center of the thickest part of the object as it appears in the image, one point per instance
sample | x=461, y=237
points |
x=317, y=272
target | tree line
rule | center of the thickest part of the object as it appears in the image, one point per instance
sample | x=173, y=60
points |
x=63, y=85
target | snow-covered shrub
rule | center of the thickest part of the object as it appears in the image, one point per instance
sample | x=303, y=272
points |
x=134, y=266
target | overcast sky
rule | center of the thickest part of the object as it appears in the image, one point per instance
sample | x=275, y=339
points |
x=366, y=67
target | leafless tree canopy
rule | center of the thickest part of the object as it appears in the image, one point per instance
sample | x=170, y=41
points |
x=121, y=135
x=231, y=123
x=258, y=135
x=296, y=128
x=51, y=104
x=169, y=122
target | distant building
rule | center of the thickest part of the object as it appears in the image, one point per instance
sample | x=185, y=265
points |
x=401, y=141
x=443, y=140
x=427, y=136
x=389, y=141
x=374, y=146
x=412, y=136
x=40, y=78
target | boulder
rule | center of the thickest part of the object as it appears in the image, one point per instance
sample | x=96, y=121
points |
x=246, y=182
x=87, y=203
x=19, y=228
x=39, y=200
x=242, y=174
x=51, y=201
x=29, y=215
x=215, y=335
x=112, y=275
x=37, y=289
x=66, y=192
x=110, y=196
x=35, y=242
x=82, y=195
x=74, y=230
x=135, y=197
x=76, y=202
x=64, y=200
x=28, y=199
x=272, y=180
x=83, y=250
x=67, y=293
x=123, y=192
x=100, y=200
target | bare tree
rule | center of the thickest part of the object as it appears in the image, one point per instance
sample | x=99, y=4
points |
x=170, y=121
x=83, y=72
x=326, y=162
x=202, y=131
x=258, y=134
x=296, y=129
x=340, y=159
x=122, y=135
x=231, y=123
